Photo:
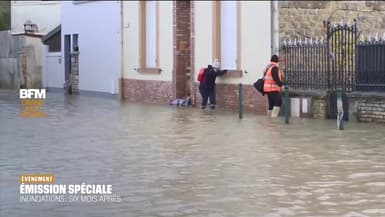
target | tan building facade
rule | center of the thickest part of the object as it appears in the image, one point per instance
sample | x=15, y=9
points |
x=166, y=43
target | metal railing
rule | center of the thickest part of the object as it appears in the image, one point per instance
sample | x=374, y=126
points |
x=305, y=64
x=370, y=65
x=338, y=62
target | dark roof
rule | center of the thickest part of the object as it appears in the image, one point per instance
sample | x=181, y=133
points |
x=50, y=34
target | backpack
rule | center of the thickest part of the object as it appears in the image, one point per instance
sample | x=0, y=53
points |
x=201, y=74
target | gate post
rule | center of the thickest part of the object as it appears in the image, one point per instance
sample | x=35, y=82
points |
x=286, y=104
x=74, y=76
x=340, y=111
x=240, y=99
x=328, y=52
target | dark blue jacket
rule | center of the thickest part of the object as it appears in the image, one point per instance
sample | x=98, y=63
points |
x=209, y=77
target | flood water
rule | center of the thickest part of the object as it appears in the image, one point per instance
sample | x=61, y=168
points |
x=169, y=161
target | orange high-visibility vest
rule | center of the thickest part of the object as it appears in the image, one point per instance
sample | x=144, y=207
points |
x=269, y=84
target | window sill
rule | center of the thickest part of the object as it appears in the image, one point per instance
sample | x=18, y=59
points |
x=49, y=2
x=151, y=71
x=78, y=2
x=233, y=73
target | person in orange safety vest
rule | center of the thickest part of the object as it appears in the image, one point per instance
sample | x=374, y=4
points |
x=272, y=86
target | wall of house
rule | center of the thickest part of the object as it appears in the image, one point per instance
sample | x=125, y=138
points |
x=203, y=36
x=45, y=14
x=131, y=41
x=155, y=88
x=255, y=38
x=9, y=48
x=33, y=49
x=20, y=58
x=98, y=27
x=254, y=52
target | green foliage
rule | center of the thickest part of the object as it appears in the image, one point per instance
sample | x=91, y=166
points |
x=5, y=15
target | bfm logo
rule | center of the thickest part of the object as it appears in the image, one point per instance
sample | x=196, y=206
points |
x=32, y=93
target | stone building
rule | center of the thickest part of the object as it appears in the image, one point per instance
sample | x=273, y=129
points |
x=308, y=19
x=305, y=19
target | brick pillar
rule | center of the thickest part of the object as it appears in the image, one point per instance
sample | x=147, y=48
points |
x=319, y=107
x=74, y=74
x=182, y=49
x=192, y=54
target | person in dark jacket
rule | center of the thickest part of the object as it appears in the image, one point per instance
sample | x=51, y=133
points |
x=207, y=85
x=272, y=86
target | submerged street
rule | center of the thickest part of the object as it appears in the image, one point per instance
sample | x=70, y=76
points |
x=169, y=161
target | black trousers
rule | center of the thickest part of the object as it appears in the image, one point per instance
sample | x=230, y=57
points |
x=207, y=94
x=274, y=99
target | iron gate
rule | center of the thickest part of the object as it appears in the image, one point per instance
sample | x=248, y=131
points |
x=341, y=43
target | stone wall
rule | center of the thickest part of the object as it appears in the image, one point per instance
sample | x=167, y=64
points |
x=370, y=108
x=20, y=61
x=10, y=47
x=29, y=68
x=319, y=107
x=363, y=106
x=305, y=18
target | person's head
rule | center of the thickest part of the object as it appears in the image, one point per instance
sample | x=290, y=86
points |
x=274, y=58
x=216, y=64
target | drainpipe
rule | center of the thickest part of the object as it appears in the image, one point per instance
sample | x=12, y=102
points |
x=121, y=52
x=274, y=27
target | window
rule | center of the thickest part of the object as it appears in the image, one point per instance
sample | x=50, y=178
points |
x=226, y=34
x=229, y=34
x=148, y=37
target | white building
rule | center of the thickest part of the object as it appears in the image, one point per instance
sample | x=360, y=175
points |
x=94, y=28
x=31, y=20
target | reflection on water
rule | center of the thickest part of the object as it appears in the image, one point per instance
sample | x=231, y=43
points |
x=168, y=161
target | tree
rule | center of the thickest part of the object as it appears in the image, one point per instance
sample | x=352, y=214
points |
x=5, y=15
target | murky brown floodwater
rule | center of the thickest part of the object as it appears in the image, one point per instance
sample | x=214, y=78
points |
x=168, y=161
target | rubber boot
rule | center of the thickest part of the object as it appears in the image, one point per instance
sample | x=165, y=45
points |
x=275, y=112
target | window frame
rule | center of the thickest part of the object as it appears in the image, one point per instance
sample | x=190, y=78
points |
x=216, y=40
x=143, y=37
